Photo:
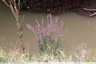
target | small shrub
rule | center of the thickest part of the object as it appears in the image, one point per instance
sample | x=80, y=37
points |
x=48, y=38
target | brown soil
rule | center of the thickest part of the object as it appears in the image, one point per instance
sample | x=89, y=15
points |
x=62, y=6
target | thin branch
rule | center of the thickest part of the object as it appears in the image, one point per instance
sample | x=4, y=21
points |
x=89, y=9
x=93, y=14
x=15, y=8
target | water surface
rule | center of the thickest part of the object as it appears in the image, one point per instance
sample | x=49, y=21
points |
x=81, y=29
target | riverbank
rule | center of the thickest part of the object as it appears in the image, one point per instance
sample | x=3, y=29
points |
x=15, y=55
x=62, y=6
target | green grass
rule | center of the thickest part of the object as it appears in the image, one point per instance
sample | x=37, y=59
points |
x=83, y=55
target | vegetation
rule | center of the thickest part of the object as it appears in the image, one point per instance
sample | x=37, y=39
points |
x=48, y=40
x=83, y=55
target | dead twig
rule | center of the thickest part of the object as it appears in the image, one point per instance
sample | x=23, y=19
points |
x=91, y=10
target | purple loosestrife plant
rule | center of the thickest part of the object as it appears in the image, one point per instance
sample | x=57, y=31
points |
x=48, y=38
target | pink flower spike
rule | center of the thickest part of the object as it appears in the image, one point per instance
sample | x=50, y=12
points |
x=62, y=24
x=48, y=38
x=37, y=32
x=35, y=29
x=35, y=48
x=48, y=26
x=51, y=21
x=37, y=22
x=51, y=25
x=61, y=31
x=40, y=37
x=57, y=32
x=51, y=39
x=57, y=29
x=66, y=31
x=29, y=26
x=54, y=39
x=42, y=31
x=54, y=30
x=48, y=34
x=64, y=35
x=45, y=30
x=54, y=25
x=56, y=20
x=39, y=28
x=47, y=16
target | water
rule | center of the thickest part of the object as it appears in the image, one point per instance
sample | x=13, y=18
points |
x=81, y=29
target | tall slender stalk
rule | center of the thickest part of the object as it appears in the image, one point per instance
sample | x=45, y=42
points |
x=15, y=8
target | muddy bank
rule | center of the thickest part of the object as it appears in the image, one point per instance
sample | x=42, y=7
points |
x=62, y=6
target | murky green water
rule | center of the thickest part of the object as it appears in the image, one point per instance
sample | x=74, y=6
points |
x=81, y=29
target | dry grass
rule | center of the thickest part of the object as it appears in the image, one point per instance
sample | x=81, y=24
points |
x=83, y=55
x=11, y=56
